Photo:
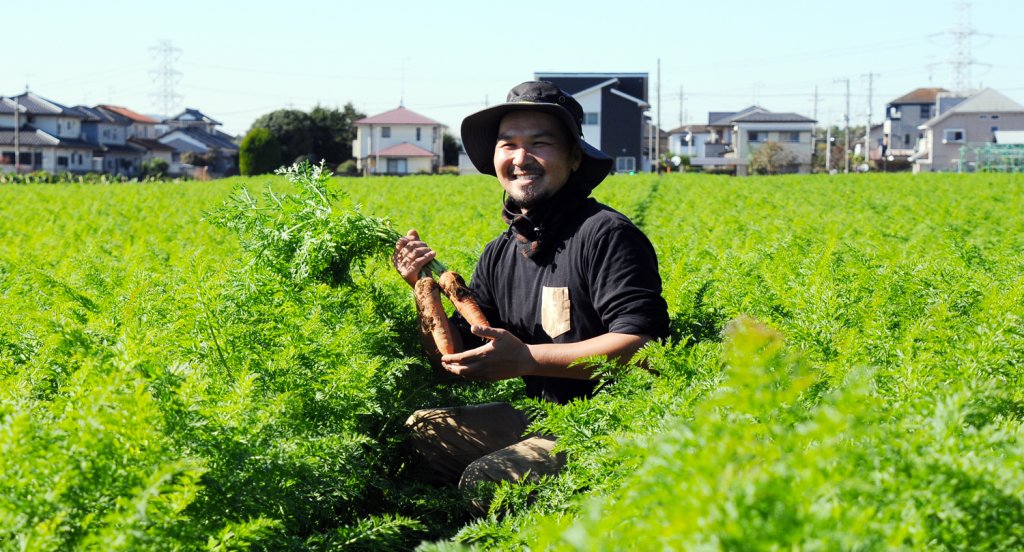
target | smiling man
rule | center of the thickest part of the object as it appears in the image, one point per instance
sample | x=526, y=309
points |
x=570, y=279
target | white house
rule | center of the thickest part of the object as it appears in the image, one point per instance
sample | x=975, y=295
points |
x=399, y=141
x=734, y=137
x=689, y=140
x=42, y=135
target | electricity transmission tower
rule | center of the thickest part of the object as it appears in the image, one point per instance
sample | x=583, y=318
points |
x=165, y=77
x=961, y=61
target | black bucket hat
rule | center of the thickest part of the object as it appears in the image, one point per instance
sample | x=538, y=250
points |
x=480, y=130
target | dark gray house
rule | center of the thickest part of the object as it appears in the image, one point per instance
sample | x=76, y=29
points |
x=903, y=117
x=614, y=119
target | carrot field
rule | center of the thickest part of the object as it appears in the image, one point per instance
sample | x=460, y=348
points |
x=845, y=372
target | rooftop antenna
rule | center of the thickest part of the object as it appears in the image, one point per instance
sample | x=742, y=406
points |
x=165, y=76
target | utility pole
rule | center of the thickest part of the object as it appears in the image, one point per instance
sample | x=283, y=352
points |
x=846, y=120
x=867, y=128
x=680, y=105
x=17, y=135
x=657, y=130
x=814, y=135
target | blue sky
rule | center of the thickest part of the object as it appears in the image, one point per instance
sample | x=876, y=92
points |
x=239, y=60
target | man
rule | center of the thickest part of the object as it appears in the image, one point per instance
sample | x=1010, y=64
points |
x=570, y=279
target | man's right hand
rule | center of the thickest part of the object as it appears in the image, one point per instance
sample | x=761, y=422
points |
x=411, y=255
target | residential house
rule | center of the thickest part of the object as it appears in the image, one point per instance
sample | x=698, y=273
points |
x=733, y=137
x=399, y=141
x=195, y=137
x=903, y=116
x=43, y=135
x=108, y=132
x=951, y=137
x=689, y=140
x=141, y=133
x=614, y=106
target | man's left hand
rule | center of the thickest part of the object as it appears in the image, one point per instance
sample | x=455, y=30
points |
x=504, y=356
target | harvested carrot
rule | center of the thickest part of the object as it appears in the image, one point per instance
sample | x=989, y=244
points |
x=432, y=317
x=462, y=297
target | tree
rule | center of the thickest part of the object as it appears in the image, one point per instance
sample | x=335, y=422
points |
x=260, y=152
x=293, y=130
x=323, y=133
x=770, y=158
x=450, y=149
x=333, y=132
x=154, y=168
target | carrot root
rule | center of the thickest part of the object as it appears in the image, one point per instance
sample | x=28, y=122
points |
x=432, y=317
x=461, y=296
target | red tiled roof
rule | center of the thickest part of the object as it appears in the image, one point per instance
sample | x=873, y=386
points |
x=921, y=95
x=125, y=112
x=404, y=150
x=397, y=116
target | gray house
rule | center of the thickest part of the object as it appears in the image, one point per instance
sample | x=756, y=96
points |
x=109, y=132
x=951, y=137
x=903, y=116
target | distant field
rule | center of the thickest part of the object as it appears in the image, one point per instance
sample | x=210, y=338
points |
x=157, y=391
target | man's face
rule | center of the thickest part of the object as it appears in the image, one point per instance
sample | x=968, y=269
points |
x=533, y=156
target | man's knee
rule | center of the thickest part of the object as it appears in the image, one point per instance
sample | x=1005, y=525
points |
x=530, y=458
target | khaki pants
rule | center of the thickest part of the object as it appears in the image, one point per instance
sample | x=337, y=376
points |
x=482, y=443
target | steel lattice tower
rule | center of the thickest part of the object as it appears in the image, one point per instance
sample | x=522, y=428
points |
x=165, y=77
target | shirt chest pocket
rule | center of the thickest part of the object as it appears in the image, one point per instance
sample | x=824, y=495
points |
x=555, y=311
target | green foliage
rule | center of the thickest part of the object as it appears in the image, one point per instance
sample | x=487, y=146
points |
x=844, y=370
x=155, y=169
x=260, y=153
x=770, y=158
x=323, y=134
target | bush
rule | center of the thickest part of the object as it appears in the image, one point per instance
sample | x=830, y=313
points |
x=155, y=168
x=348, y=168
x=260, y=153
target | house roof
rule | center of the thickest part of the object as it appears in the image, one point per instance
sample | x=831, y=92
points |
x=38, y=105
x=985, y=101
x=128, y=114
x=95, y=114
x=398, y=116
x=31, y=136
x=151, y=145
x=207, y=139
x=7, y=106
x=191, y=114
x=696, y=129
x=404, y=149
x=919, y=96
x=638, y=101
x=717, y=118
x=769, y=117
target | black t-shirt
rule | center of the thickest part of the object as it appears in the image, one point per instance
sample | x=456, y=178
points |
x=601, y=276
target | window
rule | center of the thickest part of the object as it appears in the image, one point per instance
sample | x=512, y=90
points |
x=7, y=158
x=417, y=134
x=953, y=136
x=894, y=113
x=995, y=128
x=926, y=111
x=62, y=160
x=385, y=132
x=906, y=139
x=591, y=118
x=25, y=158
x=753, y=136
x=994, y=116
x=792, y=137
x=398, y=166
x=625, y=164
x=78, y=158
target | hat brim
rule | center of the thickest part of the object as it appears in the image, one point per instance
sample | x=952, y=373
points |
x=480, y=134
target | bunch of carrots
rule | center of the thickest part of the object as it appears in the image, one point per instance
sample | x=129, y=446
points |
x=432, y=316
